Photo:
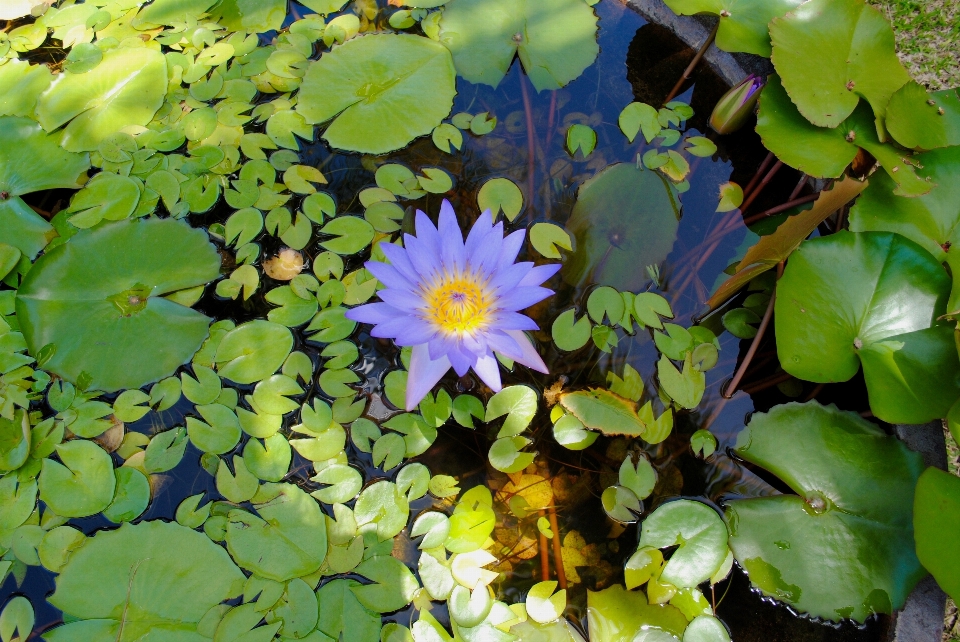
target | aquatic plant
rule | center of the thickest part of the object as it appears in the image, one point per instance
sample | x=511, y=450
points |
x=456, y=302
x=196, y=308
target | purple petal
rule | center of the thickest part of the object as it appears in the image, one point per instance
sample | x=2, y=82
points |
x=510, y=277
x=424, y=375
x=520, y=298
x=511, y=247
x=424, y=261
x=389, y=275
x=462, y=361
x=405, y=330
x=372, y=313
x=529, y=356
x=427, y=234
x=483, y=260
x=540, y=273
x=452, y=252
x=504, y=344
x=478, y=232
x=404, y=300
x=398, y=259
x=513, y=321
x=488, y=369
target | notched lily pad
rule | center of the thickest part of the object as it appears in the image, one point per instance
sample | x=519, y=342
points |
x=843, y=546
x=100, y=299
x=380, y=91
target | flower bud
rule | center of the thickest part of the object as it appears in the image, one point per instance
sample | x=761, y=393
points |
x=736, y=105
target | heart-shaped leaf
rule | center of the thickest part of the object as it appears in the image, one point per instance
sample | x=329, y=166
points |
x=825, y=152
x=126, y=88
x=931, y=220
x=555, y=39
x=875, y=297
x=381, y=91
x=624, y=218
x=140, y=587
x=743, y=23
x=698, y=530
x=105, y=288
x=936, y=518
x=920, y=120
x=855, y=56
x=842, y=547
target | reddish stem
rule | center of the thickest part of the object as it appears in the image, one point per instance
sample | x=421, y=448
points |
x=750, y=220
x=756, y=177
x=557, y=552
x=766, y=181
x=531, y=145
x=693, y=64
x=729, y=390
x=796, y=190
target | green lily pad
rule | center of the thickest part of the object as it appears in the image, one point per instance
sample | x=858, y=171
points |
x=602, y=410
x=856, y=56
x=83, y=484
x=171, y=12
x=872, y=297
x=842, y=547
x=617, y=615
x=342, y=616
x=250, y=16
x=555, y=39
x=125, y=585
x=380, y=91
x=126, y=88
x=826, y=152
x=743, y=23
x=22, y=83
x=919, y=120
x=931, y=220
x=288, y=539
x=624, y=218
x=32, y=160
x=936, y=518
x=22, y=228
x=106, y=288
x=700, y=533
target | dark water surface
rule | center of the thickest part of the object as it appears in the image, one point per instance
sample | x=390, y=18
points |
x=638, y=61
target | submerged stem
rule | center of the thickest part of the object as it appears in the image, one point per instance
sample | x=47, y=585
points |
x=531, y=145
x=557, y=551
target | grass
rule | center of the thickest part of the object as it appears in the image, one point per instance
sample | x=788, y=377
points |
x=928, y=39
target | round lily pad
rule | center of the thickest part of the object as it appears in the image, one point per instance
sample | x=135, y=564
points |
x=625, y=219
x=870, y=297
x=743, y=23
x=555, y=39
x=99, y=299
x=380, y=91
x=843, y=546
x=132, y=582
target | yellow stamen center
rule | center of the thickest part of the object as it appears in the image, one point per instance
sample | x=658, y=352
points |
x=458, y=304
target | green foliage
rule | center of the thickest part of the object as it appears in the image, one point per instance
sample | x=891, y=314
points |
x=743, y=23
x=853, y=507
x=111, y=283
x=870, y=298
x=555, y=39
x=935, y=513
x=332, y=85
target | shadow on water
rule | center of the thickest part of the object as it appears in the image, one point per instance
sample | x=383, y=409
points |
x=638, y=61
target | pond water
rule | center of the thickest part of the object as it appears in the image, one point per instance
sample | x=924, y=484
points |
x=641, y=62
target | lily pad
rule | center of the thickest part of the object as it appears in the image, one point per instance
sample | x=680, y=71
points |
x=743, y=23
x=617, y=615
x=919, y=120
x=126, y=88
x=83, y=484
x=288, y=539
x=842, y=547
x=555, y=39
x=931, y=220
x=872, y=297
x=700, y=533
x=380, y=91
x=250, y=16
x=826, y=152
x=100, y=299
x=936, y=518
x=624, y=218
x=855, y=56
x=125, y=585
x=602, y=410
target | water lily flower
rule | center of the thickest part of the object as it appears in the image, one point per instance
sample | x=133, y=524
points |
x=732, y=111
x=457, y=303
